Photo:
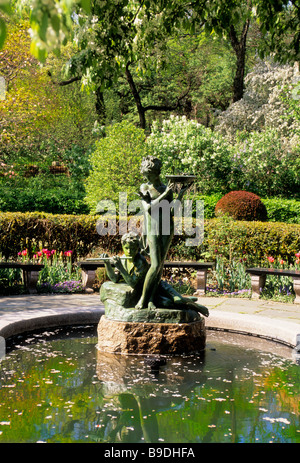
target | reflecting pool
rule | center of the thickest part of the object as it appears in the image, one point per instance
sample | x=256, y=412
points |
x=57, y=387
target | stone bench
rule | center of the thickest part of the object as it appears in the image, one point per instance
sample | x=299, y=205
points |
x=30, y=273
x=258, y=280
x=89, y=272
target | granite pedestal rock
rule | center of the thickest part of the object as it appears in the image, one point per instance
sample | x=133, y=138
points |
x=127, y=330
x=151, y=338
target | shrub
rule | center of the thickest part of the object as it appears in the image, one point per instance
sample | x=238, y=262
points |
x=266, y=164
x=33, y=230
x=231, y=238
x=252, y=240
x=53, y=200
x=115, y=164
x=278, y=209
x=209, y=202
x=282, y=210
x=11, y=281
x=234, y=240
x=263, y=162
x=42, y=190
x=242, y=205
x=184, y=146
x=36, y=111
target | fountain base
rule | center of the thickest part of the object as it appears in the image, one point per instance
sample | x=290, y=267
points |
x=151, y=338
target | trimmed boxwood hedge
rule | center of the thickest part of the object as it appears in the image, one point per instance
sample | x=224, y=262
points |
x=257, y=240
x=35, y=230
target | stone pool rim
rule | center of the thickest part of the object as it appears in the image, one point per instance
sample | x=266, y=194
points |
x=276, y=330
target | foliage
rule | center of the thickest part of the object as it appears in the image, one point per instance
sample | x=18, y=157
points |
x=208, y=67
x=11, y=281
x=282, y=210
x=39, y=124
x=242, y=205
x=187, y=146
x=110, y=36
x=280, y=20
x=229, y=278
x=253, y=241
x=60, y=197
x=196, y=80
x=58, y=266
x=33, y=230
x=209, y=203
x=69, y=287
x=16, y=59
x=280, y=288
x=51, y=23
x=128, y=28
x=277, y=23
x=34, y=187
x=278, y=209
x=233, y=245
x=5, y=9
x=58, y=275
x=41, y=121
x=223, y=235
x=264, y=163
x=262, y=105
x=115, y=164
x=232, y=23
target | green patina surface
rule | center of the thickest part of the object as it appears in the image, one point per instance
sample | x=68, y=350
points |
x=136, y=291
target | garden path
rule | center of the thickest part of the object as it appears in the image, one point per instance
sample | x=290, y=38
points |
x=275, y=320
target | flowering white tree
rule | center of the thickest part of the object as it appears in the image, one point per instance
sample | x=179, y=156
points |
x=263, y=162
x=262, y=106
x=187, y=146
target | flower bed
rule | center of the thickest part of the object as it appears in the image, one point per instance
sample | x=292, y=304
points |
x=62, y=287
x=59, y=275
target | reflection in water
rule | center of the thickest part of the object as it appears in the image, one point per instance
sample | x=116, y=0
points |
x=149, y=388
x=59, y=388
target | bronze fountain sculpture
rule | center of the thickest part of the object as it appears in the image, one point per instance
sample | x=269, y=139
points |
x=143, y=313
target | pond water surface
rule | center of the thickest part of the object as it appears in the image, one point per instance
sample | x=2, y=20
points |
x=57, y=387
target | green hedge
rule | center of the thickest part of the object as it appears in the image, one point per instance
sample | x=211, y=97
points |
x=36, y=230
x=78, y=233
x=256, y=240
x=70, y=200
x=55, y=201
x=282, y=210
x=209, y=204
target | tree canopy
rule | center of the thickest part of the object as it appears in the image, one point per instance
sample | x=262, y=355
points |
x=125, y=30
x=131, y=38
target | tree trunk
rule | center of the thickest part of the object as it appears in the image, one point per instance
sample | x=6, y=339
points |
x=238, y=83
x=239, y=47
x=136, y=96
x=100, y=106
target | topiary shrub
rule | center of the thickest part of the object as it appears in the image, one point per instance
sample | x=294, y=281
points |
x=242, y=205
